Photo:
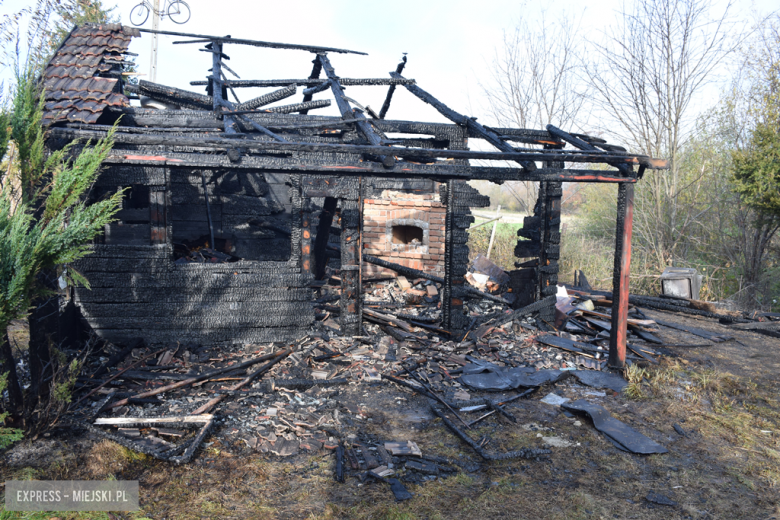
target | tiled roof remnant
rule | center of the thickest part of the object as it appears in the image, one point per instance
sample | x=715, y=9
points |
x=75, y=90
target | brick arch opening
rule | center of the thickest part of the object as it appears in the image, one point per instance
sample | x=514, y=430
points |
x=405, y=234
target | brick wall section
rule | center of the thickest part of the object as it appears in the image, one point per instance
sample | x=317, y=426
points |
x=423, y=210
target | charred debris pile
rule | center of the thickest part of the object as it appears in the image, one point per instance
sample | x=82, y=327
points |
x=310, y=395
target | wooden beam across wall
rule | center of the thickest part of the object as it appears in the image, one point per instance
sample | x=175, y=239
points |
x=221, y=143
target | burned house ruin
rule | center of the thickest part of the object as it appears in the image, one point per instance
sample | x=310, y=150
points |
x=261, y=183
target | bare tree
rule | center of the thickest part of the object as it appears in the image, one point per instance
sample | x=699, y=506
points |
x=535, y=81
x=649, y=75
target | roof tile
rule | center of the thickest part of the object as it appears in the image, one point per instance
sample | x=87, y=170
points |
x=73, y=92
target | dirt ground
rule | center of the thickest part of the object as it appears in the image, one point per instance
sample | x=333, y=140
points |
x=723, y=463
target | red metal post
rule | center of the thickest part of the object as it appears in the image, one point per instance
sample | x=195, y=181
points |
x=625, y=220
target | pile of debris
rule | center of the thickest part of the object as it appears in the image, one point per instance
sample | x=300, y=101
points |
x=199, y=252
x=309, y=396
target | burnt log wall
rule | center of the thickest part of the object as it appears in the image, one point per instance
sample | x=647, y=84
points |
x=138, y=289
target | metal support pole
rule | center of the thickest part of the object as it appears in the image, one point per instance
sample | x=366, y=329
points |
x=155, y=36
x=625, y=219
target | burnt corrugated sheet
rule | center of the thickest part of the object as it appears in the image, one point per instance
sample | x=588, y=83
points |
x=74, y=90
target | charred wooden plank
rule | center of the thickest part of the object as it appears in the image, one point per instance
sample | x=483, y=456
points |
x=222, y=143
x=619, y=334
x=286, y=109
x=279, y=356
x=386, y=105
x=309, y=92
x=348, y=113
x=311, y=82
x=195, y=379
x=202, y=38
x=266, y=99
x=468, y=122
x=583, y=145
x=184, y=97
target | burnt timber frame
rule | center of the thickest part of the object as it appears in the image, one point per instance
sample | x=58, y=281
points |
x=217, y=135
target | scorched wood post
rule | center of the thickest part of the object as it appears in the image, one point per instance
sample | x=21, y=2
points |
x=386, y=105
x=351, y=301
x=625, y=219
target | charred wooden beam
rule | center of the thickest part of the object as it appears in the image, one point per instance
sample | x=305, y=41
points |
x=525, y=453
x=286, y=109
x=351, y=287
x=315, y=74
x=219, y=142
x=311, y=82
x=173, y=95
x=195, y=379
x=203, y=38
x=216, y=84
x=309, y=92
x=266, y=99
x=260, y=128
x=582, y=145
x=618, y=334
x=354, y=168
x=468, y=122
x=279, y=356
x=348, y=113
x=390, y=91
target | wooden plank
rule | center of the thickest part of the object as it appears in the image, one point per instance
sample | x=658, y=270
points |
x=221, y=143
x=130, y=421
x=252, y=43
x=470, y=123
x=311, y=82
x=266, y=99
x=619, y=334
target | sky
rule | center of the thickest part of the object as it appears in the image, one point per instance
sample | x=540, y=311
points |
x=449, y=44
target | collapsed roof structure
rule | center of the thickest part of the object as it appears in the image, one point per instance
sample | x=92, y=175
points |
x=258, y=176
